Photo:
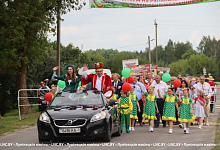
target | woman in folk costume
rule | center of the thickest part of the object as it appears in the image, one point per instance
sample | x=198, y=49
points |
x=150, y=108
x=169, y=107
x=100, y=81
x=186, y=111
x=70, y=78
x=125, y=107
x=133, y=115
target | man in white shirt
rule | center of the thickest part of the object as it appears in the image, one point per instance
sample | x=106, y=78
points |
x=206, y=88
x=149, y=79
x=162, y=86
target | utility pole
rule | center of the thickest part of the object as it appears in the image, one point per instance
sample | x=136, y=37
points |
x=58, y=38
x=155, y=23
x=149, y=49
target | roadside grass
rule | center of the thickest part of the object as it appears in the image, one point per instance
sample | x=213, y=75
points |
x=217, y=133
x=10, y=122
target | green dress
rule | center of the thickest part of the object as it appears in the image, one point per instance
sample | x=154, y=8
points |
x=169, y=108
x=72, y=85
x=134, y=99
x=185, y=111
x=150, y=108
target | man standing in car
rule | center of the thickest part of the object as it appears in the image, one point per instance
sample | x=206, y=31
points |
x=100, y=81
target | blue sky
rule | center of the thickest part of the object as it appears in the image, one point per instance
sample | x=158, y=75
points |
x=121, y=28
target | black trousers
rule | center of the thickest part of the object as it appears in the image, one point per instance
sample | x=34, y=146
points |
x=139, y=114
x=211, y=106
x=160, y=105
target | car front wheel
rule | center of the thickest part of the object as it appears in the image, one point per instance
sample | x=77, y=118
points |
x=107, y=137
x=42, y=141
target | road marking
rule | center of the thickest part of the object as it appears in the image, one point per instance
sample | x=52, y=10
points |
x=66, y=148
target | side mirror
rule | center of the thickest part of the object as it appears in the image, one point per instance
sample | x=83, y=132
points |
x=113, y=102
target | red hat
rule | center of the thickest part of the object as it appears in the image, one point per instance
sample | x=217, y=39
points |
x=99, y=67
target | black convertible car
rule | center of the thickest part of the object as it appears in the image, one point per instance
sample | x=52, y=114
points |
x=79, y=115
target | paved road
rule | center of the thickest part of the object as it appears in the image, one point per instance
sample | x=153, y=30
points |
x=140, y=136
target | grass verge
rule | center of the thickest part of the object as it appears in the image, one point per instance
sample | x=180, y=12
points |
x=10, y=123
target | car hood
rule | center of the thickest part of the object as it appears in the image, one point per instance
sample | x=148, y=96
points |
x=87, y=113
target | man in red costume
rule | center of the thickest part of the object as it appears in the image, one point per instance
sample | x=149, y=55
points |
x=212, y=84
x=100, y=81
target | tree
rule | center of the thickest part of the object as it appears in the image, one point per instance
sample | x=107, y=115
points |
x=24, y=28
x=194, y=66
x=169, y=52
x=188, y=53
x=210, y=47
x=181, y=48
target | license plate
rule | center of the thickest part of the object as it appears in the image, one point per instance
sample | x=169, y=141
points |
x=69, y=130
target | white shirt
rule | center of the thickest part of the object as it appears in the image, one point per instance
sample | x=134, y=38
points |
x=205, y=87
x=98, y=84
x=162, y=86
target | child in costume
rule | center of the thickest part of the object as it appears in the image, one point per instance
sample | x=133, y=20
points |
x=150, y=108
x=169, y=107
x=186, y=111
x=133, y=115
x=199, y=107
x=125, y=107
x=114, y=96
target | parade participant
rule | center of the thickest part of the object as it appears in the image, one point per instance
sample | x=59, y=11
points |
x=125, y=107
x=139, y=93
x=114, y=96
x=169, y=108
x=142, y=81
x=186, y=111
x=41, y=93
x=214, y=90
x=133, y=115
x=206, y=89
x=199, y=107
x=197, y=80
x=124, y=80
x=70, y=78
x=161, y=74
x=150, y=108
x=162, y=86
x=149, y=79
x=100, y=81
x=117, y=84
x=53, y=90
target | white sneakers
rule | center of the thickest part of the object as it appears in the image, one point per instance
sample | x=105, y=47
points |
x=151, y=129
x=131, y=129
x=186, y=130
x=200, y=127
x=181, y=125
x=171, y=131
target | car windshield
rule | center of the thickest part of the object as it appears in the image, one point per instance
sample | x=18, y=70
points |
x=77, y=98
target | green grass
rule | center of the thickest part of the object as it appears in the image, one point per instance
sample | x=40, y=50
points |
x=10, y=123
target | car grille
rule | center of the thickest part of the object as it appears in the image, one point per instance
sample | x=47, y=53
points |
x=69, y=122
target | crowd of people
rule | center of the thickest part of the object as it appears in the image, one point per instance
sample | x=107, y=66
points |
x=149, y=97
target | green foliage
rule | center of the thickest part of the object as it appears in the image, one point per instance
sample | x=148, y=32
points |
x=188, y=53
x=194, y=66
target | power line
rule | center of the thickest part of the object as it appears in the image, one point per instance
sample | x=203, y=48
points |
x=189, y=25
x=131, y=45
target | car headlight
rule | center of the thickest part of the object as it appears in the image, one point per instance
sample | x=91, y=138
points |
x=98, y=116
x=44, y=117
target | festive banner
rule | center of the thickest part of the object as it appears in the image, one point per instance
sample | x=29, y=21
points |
x=129, y=62
x=142, y=3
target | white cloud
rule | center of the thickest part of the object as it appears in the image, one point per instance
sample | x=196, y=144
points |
x=123, y=38
x=194, y=37
x=67, y=30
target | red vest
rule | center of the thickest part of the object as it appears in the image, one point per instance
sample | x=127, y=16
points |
x=212, y=84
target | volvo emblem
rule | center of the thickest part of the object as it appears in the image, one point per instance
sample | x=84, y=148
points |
x=70, y=122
